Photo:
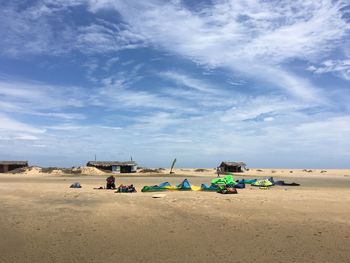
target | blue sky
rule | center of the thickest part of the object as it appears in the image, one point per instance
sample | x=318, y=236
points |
x=265, y=82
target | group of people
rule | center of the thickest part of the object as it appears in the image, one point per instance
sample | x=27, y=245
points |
x=110, y=184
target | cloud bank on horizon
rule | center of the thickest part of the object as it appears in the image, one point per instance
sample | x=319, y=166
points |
x=266, y=82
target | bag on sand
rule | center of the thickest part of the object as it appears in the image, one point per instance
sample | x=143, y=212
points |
x=75, y=185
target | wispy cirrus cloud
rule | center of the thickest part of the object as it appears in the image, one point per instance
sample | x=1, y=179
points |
x=12, y=125
x=11, y=129
x=254, y=38
x=33, y=97
x=340, y=67
x=102, y=37
x=28, y=100
x=38, y=29
x=189, y=82
x=250, y=37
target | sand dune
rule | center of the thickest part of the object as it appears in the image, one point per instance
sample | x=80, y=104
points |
x=210, y=172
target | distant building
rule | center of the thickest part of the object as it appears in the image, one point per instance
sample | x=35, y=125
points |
x=232, y=167
x=115, y=167
x=6, y=166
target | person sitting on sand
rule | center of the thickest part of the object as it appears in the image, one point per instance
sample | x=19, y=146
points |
x=110, y=182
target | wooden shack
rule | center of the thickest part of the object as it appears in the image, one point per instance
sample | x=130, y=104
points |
x=6, y=166
x=232, y=167
x=114, y=166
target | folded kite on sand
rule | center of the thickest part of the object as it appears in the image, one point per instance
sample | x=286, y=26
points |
x=185, y=185
x=228, y=179
x=157, y=188
x=283, y=183
x=271, y=182
x=224, y=185
x=211, y=188
x=247, y=181
x=263, y=183
x=216, y=185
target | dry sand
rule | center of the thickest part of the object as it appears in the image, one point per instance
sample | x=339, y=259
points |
x=43, y=220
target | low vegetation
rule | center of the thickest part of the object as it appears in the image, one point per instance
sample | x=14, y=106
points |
x=201, y=170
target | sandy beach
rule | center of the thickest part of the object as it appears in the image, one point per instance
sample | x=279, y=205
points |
x=43, y=220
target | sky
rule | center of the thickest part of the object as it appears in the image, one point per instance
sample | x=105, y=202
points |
x=264, y=82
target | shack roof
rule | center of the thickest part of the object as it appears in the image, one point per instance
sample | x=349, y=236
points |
x=13, y=162
x=110, y=163
x=233, y=164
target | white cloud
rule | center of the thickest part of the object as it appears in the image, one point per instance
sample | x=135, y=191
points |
x=296, y=29
x=251, y=37
x=115, y=93
x=38, y=29
x=13, y=130
x=33, y=98
x=190, y=82
x=111, y=127
x=97, y=38
x=60, y=115
x=249, y=108
x=26, y=137
x=66, y=127
x=102, y=38
x=340, y=67
x=28, y=30
x=9, y=124
x=110, y=62
x=114, y=97
x=269, y=119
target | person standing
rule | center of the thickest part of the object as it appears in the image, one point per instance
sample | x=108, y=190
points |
x=218, y=171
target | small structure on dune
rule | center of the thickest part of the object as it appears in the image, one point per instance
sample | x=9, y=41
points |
x=113, y=166
x=6, y=166
x=232, y=167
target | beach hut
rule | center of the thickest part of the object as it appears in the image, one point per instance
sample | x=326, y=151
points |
x=114, y=166
x=6, y=166
x=232, y=167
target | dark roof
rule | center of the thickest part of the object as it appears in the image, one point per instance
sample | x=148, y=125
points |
x=13, y=162
x=110, y=163
x=233, y=163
